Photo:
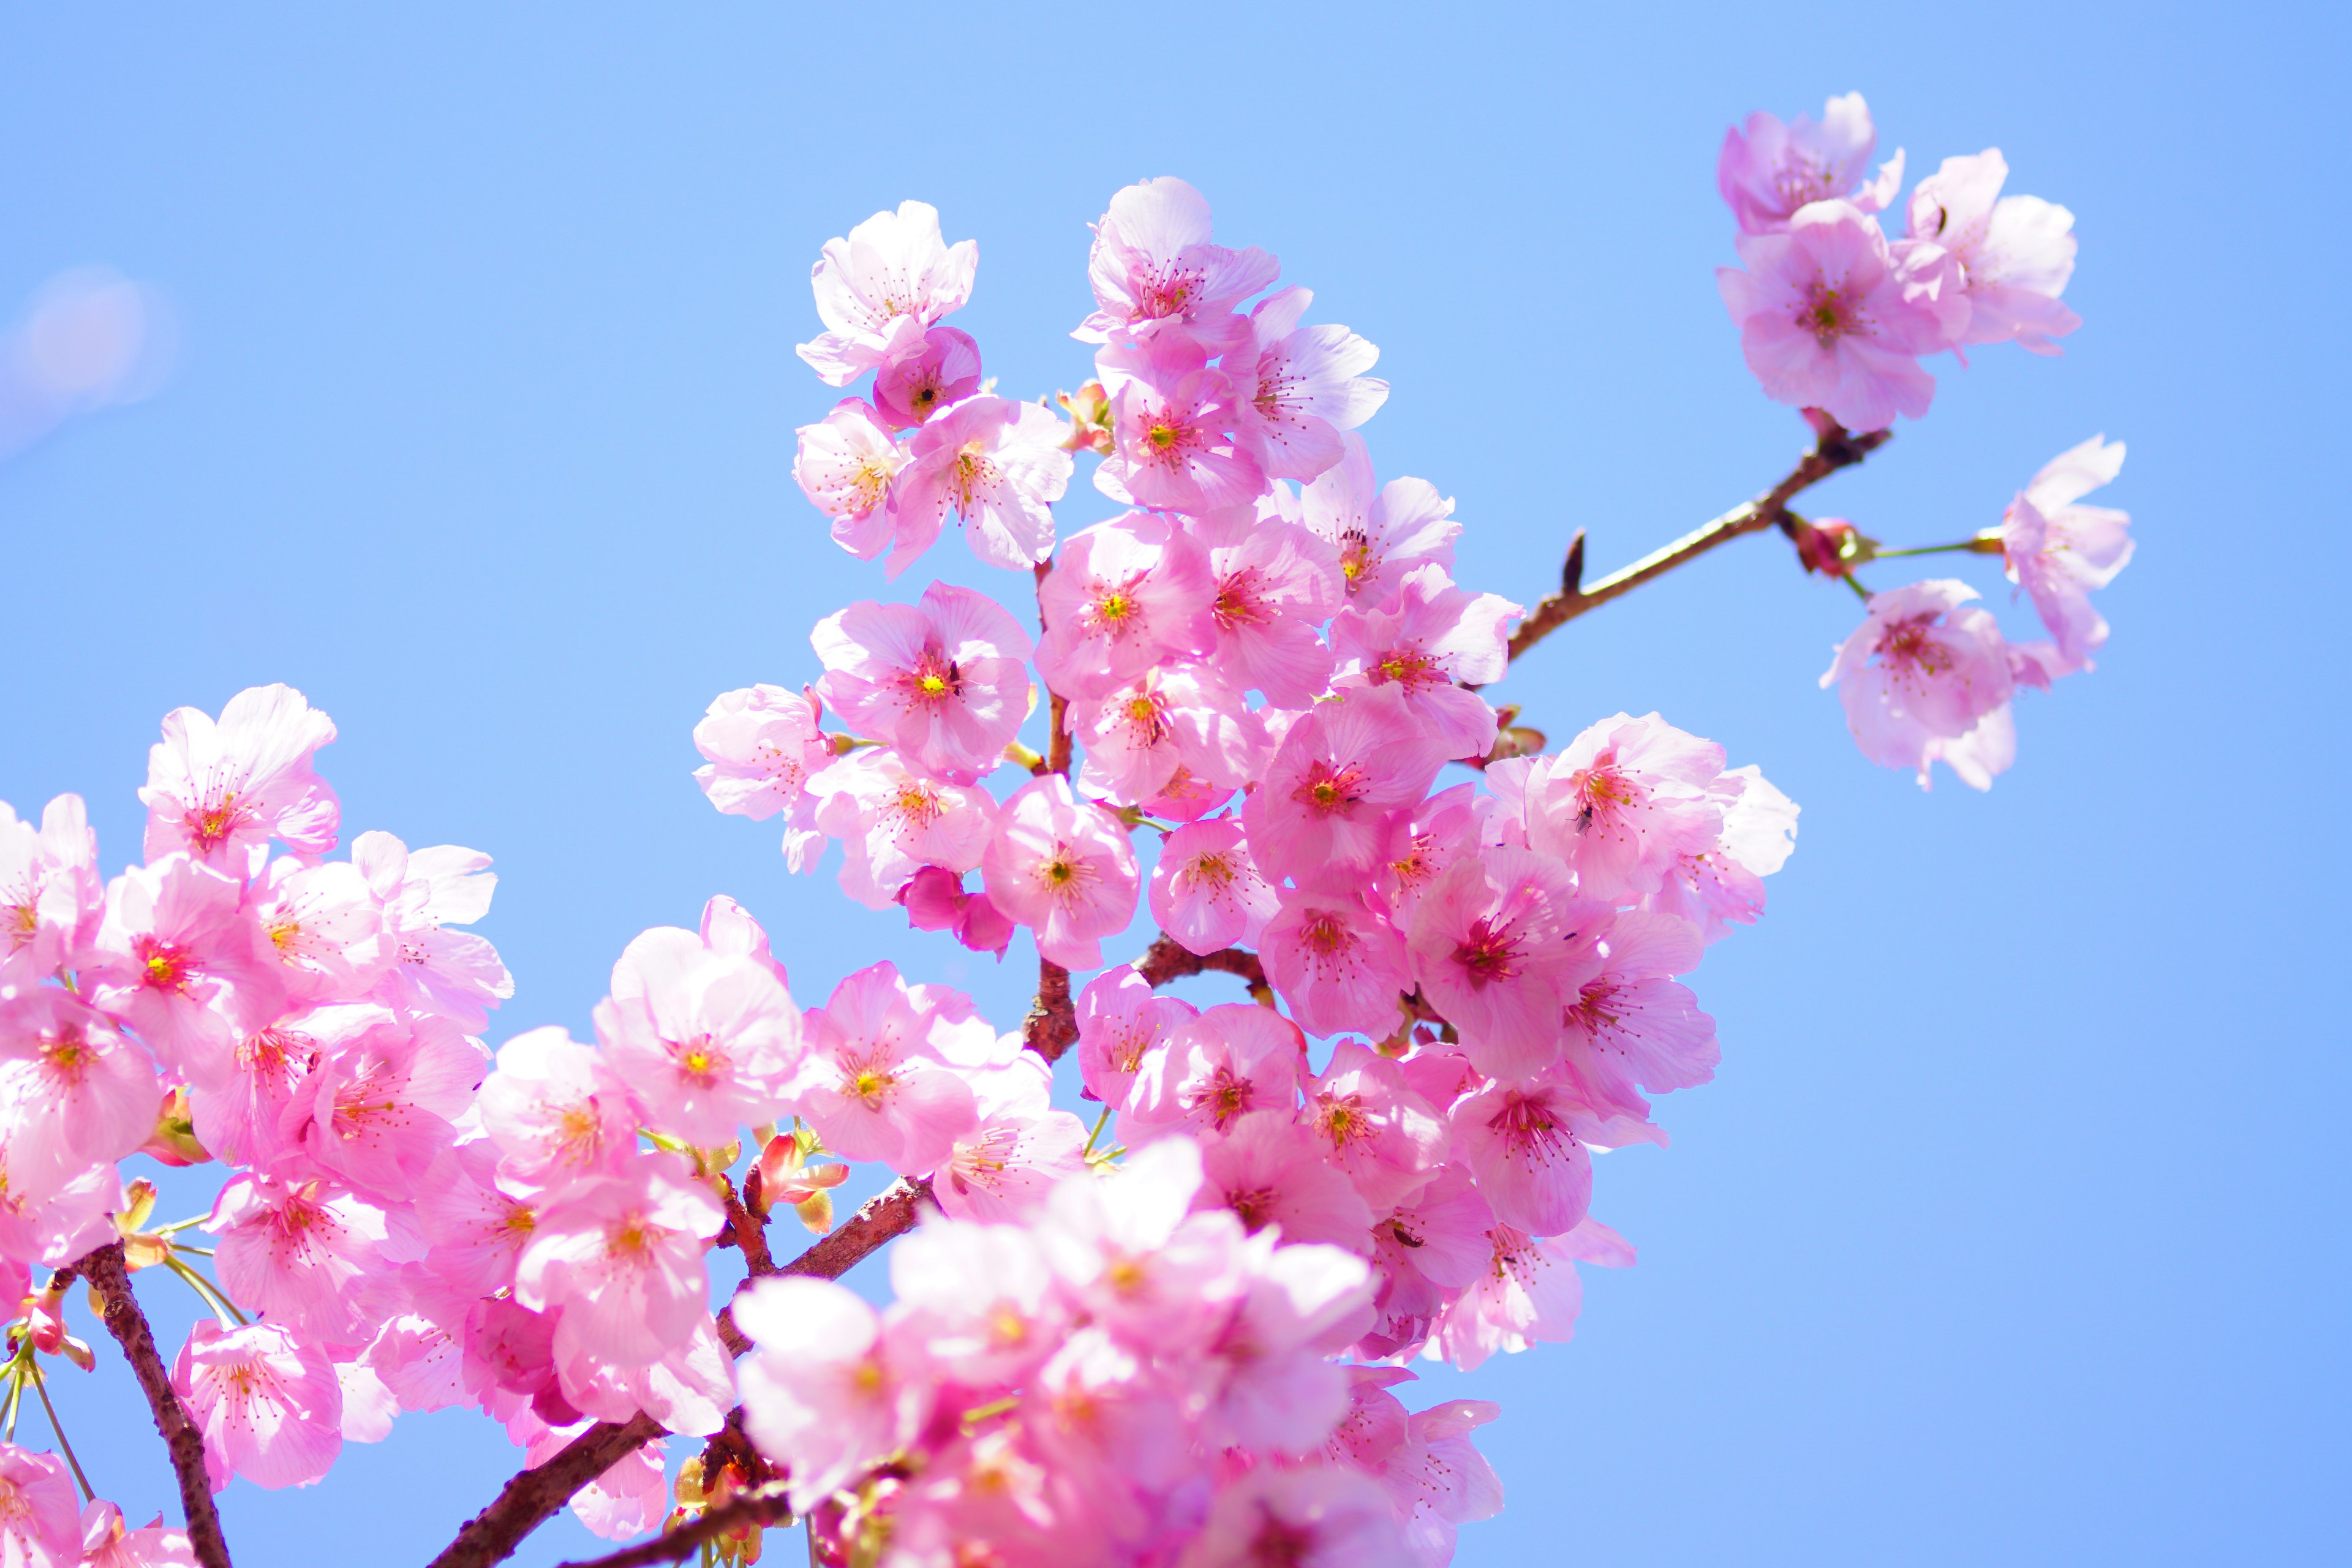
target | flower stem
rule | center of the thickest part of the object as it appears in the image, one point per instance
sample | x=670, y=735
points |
x=41, y=1387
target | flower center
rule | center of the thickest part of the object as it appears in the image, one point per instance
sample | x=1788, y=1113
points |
x=1487, y=955
x=1162, y=436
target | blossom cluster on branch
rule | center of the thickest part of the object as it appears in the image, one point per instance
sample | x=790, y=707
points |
x=1178, y=1338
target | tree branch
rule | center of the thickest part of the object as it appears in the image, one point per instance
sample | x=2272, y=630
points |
x=1053, y=1022
x=110, y=1275
x=760, y=1507
x=530, y=1497
x=1836, y=449
x=1166, y=960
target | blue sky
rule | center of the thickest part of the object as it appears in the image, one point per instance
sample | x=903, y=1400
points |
x=2013, y=1228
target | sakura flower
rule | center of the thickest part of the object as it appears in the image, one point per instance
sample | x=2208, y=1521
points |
x=630, y=1497
x=221, y=790
x=1214, y=1070
x=935, y=899
x=73, y=1092
x=1294, y=388
x=476, y=1231
x=1769, y=170
x=1830, y=318
x=874, y=1084
x=296, y=1248
x=764, y=744
x=238, y=1114
x=1380, y=533
x=2058, y=552
x=1372, y=1127
x=1124, y=595
x=996, y=464
x=1269, y=1171
x=2015, y=252
x=1488, y=951
x=621, y=1256
x=1275, y=1389
x=51, y=896
x=940, y=374
x=38, y=1523
x=946, y=682
x=556, y=1111
x=1181, y=719
x=1927, y=677
x=1337, y=779
x=1205, y=889
x=844, y=463
x=1432, y=640
x=1442, y=830
x=1061, y=867
x=267, y=1400
x=825, y=1393
x=893, y=821
x=106, y=1544
x=1619, y=802
x=381, y=1099
x=710, y=1045
x=1319, y=1517
x=1628, y=1025
x=324, y=928
x=1530, y=1293
x=977, y=1298
x=1139, y=1259
x=878, y=289
x=1337, y=961
x=179, y=964
x=1272, y=585
x=1152, y=261
x=55, y=1224
x=1172, y=430
x=1519, y=1141
x=1723, y=885
x=1441, y=1227
x=688, y=1388
x=1121, y=1018
x=433, y=969
x=1439, y=1480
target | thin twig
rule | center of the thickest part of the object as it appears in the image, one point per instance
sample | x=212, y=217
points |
x=746, y=1231
x=1836, y=449
x=111, y=1277
x=530, y=1497
x=1052, y=1026
x=761, y=1506
x=1166, y=960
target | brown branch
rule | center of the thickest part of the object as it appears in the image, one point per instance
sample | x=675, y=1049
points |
x=1053, y=1022
x=1836, y=449
x=1166, y=960
x=761, y=1506
x=746, y=1231
x=110, y=1275
x=530, y=1497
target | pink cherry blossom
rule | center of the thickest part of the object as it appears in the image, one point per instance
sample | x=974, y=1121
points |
x=879, y=289
x=324, y=926
x=621, y=1256
x=845, y=464
x=1380, y=533
x=1002, y=1168
x=1272, y=585
x=1214, y=1070
x=382, y=1097
x=1770, y=170
x=1372, y=1126
x=940, y=374
x=1529, y=1294
x=630, y=1497
x=73, y=1092
x=1519, y=1141
x=106, y=1544
x=1723, y=885
x=1294, y=388
x=1061, y=867
x=1320, y=1517
x=945, y=682
x=1205, y=889
x=1124, y=595
x=1180, y=719
x=1489, y=950
x=977, y=1298
x=178, y=957
x=1275, y=1389
x=51, y=896
x=1152, y=261
x=874, y=1084
x=267, y=1400
x=52, y=1224
x=39, y=1527
x=1173, y=424
x=1439, y=1480
x=688, y=1388
x=1337, y=961
x=996, y=464
x=425, y=892
x=474, y=1229
x=1628, y=1024
x=1620, y=803
x=935, y=899
x=240, y=1113
x=893, y=821
x=221, y=790
x=1831, y=319
x=1121, y=1018
x=1430, y=642
x=1141, y=1260
x=2015, y=252
x=1337, y=781
x=824, y=1391
x=2059, y=551
x=1269, y=1169
x=764, y=745
x=296, y=1248
x=557, y=1111
x=1927, y=676
x=710, y=1044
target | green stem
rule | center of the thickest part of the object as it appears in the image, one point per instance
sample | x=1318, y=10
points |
x=1100, y=1121
x=1859, y=591
x=209, y=1293
x=1967, y=544
x=41, y=1387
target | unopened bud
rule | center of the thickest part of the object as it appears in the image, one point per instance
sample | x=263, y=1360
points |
x=174, y=1141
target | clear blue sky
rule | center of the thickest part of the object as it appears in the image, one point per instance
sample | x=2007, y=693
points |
x=2013, y=1228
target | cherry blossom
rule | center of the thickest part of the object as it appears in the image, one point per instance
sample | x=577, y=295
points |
x=621, y=1256
x=1294, y=388
x=844, y=464
x=1430, y=643
x=221, y=790
x=1770, y=170
x=1060, y=866
x=1337, y=961
x=1207, y=891
x=1272, y=587
x=940, y=374
x=710, y=1043
x=73, y=1092
x=426, y=891
x=1380, y=533
x=822, y=1390
x=1337, y=781
x=1173, y=424
x=893, y=821
x=875, y=1084
x=1120, y=1019
x=1152, y=262
x=267, y=1400
x=879, y=289
x=1620, y=804
x=1926, y=678
x=946, y=682
x=997, y=465
x=50, y=892
x=38, y=1524
x=1124, y=595
x=2015, y=253
x=764, y=745
x=2058, y=552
